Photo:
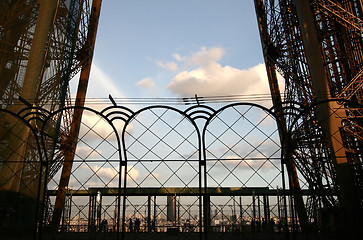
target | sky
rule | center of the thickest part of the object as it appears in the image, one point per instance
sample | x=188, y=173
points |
x=170, y=49
x=174, y=48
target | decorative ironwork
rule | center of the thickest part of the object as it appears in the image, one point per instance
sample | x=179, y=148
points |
x=224, y=169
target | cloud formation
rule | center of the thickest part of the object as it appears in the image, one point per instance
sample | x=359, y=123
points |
x=205, y=76
x=95, y=175
x=146, y=83
x=172, y=66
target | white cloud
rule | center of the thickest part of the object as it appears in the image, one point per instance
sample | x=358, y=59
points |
x=260, y=163
x=146, y=83
x=108, y=173
x=210, y=78
x=172, y=66
x=105, y=173
x=206, y=57
x=149, y=85
x=96, y=128
x=132, y=174
x=86, y=152
x=178, y=57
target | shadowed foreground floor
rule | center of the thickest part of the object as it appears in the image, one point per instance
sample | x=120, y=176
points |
x=174, y=236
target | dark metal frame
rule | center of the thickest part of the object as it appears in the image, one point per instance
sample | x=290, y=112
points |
x=118, y=113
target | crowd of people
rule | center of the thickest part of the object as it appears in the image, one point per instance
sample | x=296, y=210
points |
x=136, y=227
x=263, y=226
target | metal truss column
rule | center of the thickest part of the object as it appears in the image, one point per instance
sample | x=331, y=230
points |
x=266, y=211
x=329, y=124
x=154, y=215
x=267, y=47
x=47, y=11
x=253, y=223
x=206, y=208
x=77, y=115
x=92, y=213
x=39, y=50
x=149, y=213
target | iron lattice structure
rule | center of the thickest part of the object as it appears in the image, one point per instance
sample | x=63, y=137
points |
x=197, y=169
x=65, y=38
x=42, y=46
x=194, y=169
x=316, y=46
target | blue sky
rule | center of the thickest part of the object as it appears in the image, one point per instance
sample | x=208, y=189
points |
x=174, y=48
x=171, y=48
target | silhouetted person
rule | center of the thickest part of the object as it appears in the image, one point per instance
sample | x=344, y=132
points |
x=137, y=225
x=104, y=225
x=131, y=225
x=264, y=225
x=272, y=224
x=258, y=226
x=153, y=225
x=253, y=224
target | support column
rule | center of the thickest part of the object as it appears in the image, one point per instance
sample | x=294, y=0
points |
x=154, y=214
x=11, y=173
x=253, y=223
x=329, y=120
x=39, y=49
x=149, y=213
x=77, y=115
x=266, y=211
x=267, y=47
x=206, y=207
